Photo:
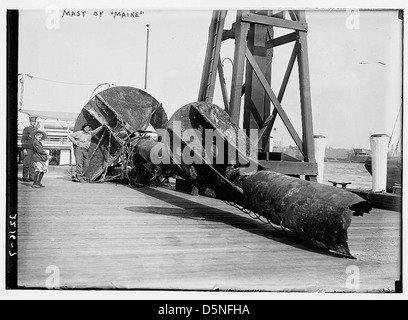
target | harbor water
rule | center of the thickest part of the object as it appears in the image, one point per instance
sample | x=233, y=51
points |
x=355, y=173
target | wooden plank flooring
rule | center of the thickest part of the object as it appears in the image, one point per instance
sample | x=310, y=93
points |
x=108, y=236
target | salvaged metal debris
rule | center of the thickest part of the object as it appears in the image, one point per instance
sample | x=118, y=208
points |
x=315, y=211
x=201, y=144
x=125, y=111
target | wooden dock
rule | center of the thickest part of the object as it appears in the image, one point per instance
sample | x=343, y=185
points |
x=112, y=236
x=385, y=200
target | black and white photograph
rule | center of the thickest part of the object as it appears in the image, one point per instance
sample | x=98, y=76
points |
x=249, y=149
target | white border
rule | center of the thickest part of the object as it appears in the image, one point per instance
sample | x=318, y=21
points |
x=184, y=5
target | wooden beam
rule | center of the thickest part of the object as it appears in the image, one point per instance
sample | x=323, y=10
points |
x=385, y=201
x=280, y=14
x=274, y=99
x=270, y=53
x=293, y=15
x=288, y=72
x=223, y=85
x=269, y=34
x=204, y=75
x=275, y=22
x=229, y=34
x=241, y=31
x=270, y=121
x=214, y=66
x=305, y=95
x=257, y=105
x=258, y=118
x=267, y=127
x=282, y=40
x=217, y=56
x=209, y=74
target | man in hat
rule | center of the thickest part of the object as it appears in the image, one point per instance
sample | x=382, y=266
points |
x=82, y=141
x=27, y=144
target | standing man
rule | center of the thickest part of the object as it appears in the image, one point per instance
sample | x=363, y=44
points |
x=27, y=145
x=82, y=141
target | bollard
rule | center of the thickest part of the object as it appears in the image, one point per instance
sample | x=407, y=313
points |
x=379, y=148
x=271, y=142
x=320, y=150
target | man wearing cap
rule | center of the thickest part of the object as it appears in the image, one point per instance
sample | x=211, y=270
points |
x=27, y=145
x=82, y=141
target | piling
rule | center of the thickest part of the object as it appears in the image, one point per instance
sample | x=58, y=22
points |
x=320, y=150
x=379, y=148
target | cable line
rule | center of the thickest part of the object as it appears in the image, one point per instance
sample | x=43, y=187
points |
x=61, y=82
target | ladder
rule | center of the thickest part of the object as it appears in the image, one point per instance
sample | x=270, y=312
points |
x=212, y=57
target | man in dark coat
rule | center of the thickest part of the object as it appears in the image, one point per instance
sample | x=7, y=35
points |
x=27, y=145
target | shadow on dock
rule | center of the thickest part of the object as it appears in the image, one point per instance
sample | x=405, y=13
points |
x=195, y=211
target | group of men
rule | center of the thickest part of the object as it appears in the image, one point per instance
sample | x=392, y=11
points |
x=80, y=139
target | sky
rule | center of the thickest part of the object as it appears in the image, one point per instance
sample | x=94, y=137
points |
x=355, y=64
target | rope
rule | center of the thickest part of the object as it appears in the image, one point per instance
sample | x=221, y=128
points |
x=395, y=124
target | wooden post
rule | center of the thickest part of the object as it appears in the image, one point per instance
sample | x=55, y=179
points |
x=241, y=31
x=223, y=85
x=305, y=94
x=274, y=100
x=270, y=121
x=257, y=106
x=212, y=57
x=320, y=150
x=379, y=147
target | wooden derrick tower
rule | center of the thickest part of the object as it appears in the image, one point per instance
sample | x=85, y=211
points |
x=254, y=37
